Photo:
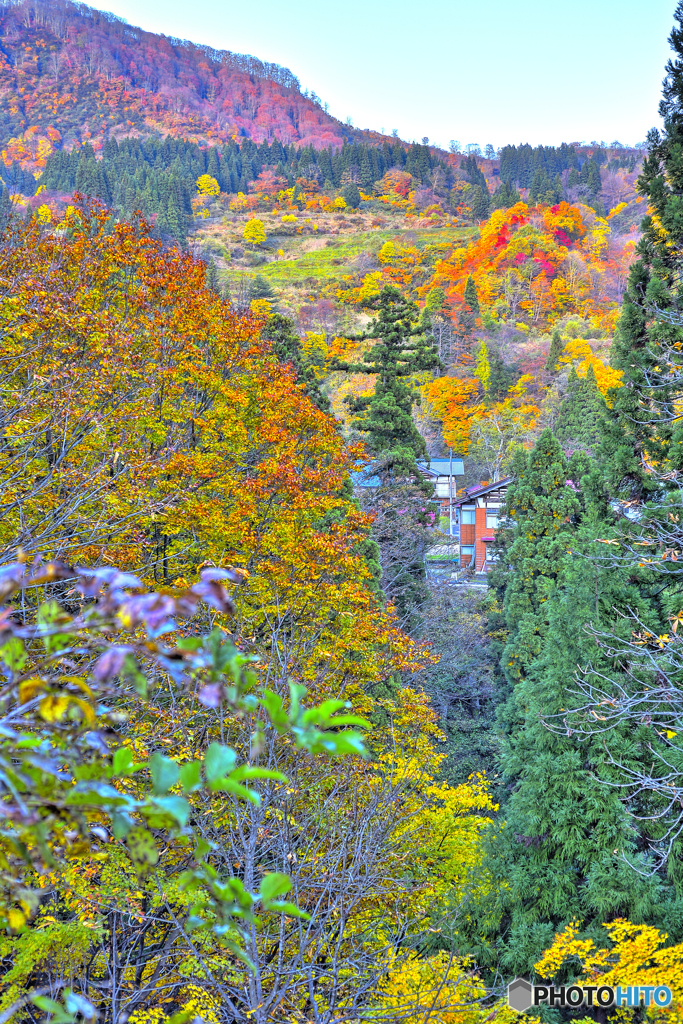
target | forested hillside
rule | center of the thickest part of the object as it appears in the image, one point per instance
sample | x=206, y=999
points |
x=270, y=748
x=72, y=75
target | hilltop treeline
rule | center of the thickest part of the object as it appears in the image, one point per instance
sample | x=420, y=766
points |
x=158, y=176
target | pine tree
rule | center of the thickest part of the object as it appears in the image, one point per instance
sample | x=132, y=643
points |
x=643, y=424
x=579, y=425
x=467, y=320
x=261, y=288
x=563, y=852
x=366, y=175
x=556, y=348
x=351, y=195
x=400, y=350
x=401, y=504
x=212, y=276
x=505, y=196
x=501, y=375
x=479, y=202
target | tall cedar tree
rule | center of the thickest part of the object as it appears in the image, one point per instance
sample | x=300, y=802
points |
x=644, y=427
x=579, y=425
x=563, y=852
x=400, y=350
x=401, y=504
x=640, y=461
x=556, y=347
x=286, y=342
x=467, y=320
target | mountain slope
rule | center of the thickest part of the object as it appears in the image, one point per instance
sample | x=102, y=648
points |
x=69, y=74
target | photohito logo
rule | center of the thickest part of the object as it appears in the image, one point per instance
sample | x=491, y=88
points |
x=522, y=995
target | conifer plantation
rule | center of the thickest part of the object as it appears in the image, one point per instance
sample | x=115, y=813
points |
x=340, y=535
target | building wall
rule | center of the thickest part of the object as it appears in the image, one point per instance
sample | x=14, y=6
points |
x=473, y=534
x=481, y=531
x=467, y=533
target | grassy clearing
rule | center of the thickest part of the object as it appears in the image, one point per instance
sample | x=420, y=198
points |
x=304, y=260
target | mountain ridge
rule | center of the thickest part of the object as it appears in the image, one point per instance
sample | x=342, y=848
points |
x=71, y=74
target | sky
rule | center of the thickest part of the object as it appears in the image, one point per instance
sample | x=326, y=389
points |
x=537, y=71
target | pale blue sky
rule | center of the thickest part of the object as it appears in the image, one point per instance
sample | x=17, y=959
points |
x=538, y=71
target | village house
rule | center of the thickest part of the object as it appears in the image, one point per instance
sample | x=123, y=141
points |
x=444, y=473
x=477, y=511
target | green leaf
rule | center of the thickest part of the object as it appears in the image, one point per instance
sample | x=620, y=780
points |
x=164, y=773
x=123, y=761
x=290, y=909
x=296, y=693
x=121, y=825
x=272, y=885
x=59, y=1015
x=325, y=710
x=202, y=848
x=219, y=761
x=338, y=744
x=272, y=702
x=176, y=806
x=13, y=654
x=230, y=786
x=189, y=776
x=47, y=1004
x=190, y=643
x=142, y=848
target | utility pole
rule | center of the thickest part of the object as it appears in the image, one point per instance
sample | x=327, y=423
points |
x=450, y=495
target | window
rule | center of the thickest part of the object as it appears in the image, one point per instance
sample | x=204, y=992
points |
x=467, y=517
x=492, y=520
x=466, y=554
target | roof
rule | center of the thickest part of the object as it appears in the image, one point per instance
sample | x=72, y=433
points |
x=442, y=467
x=471, y=493
x=435, y=467
x=359, y=479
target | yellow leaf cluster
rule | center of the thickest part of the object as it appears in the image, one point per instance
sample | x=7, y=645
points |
x=637, y=956
x=578, y=351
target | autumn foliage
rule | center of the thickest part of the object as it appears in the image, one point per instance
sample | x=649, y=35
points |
x=148, y=426
x=74, y=72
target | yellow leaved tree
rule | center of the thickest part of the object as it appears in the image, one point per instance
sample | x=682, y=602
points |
x=442, y=989
x=254, y=232
x=579, y=352
x=207, y=186
x=637, y=955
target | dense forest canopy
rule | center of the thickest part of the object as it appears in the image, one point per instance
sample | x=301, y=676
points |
x=86, y=74
x=295, y=726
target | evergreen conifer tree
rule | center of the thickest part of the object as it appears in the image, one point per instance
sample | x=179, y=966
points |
x=366, y=175
x=468, y=315
x=565, y=849
x=643, y=426
x=401, y=503
x=286, y=342
x=501, y=375
x=399, y=350
x=479, y=202
x=212, y=276
x=556, y=347
x=351, y=195
x=261, y=288
x=505, y=196
x=579, y=425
